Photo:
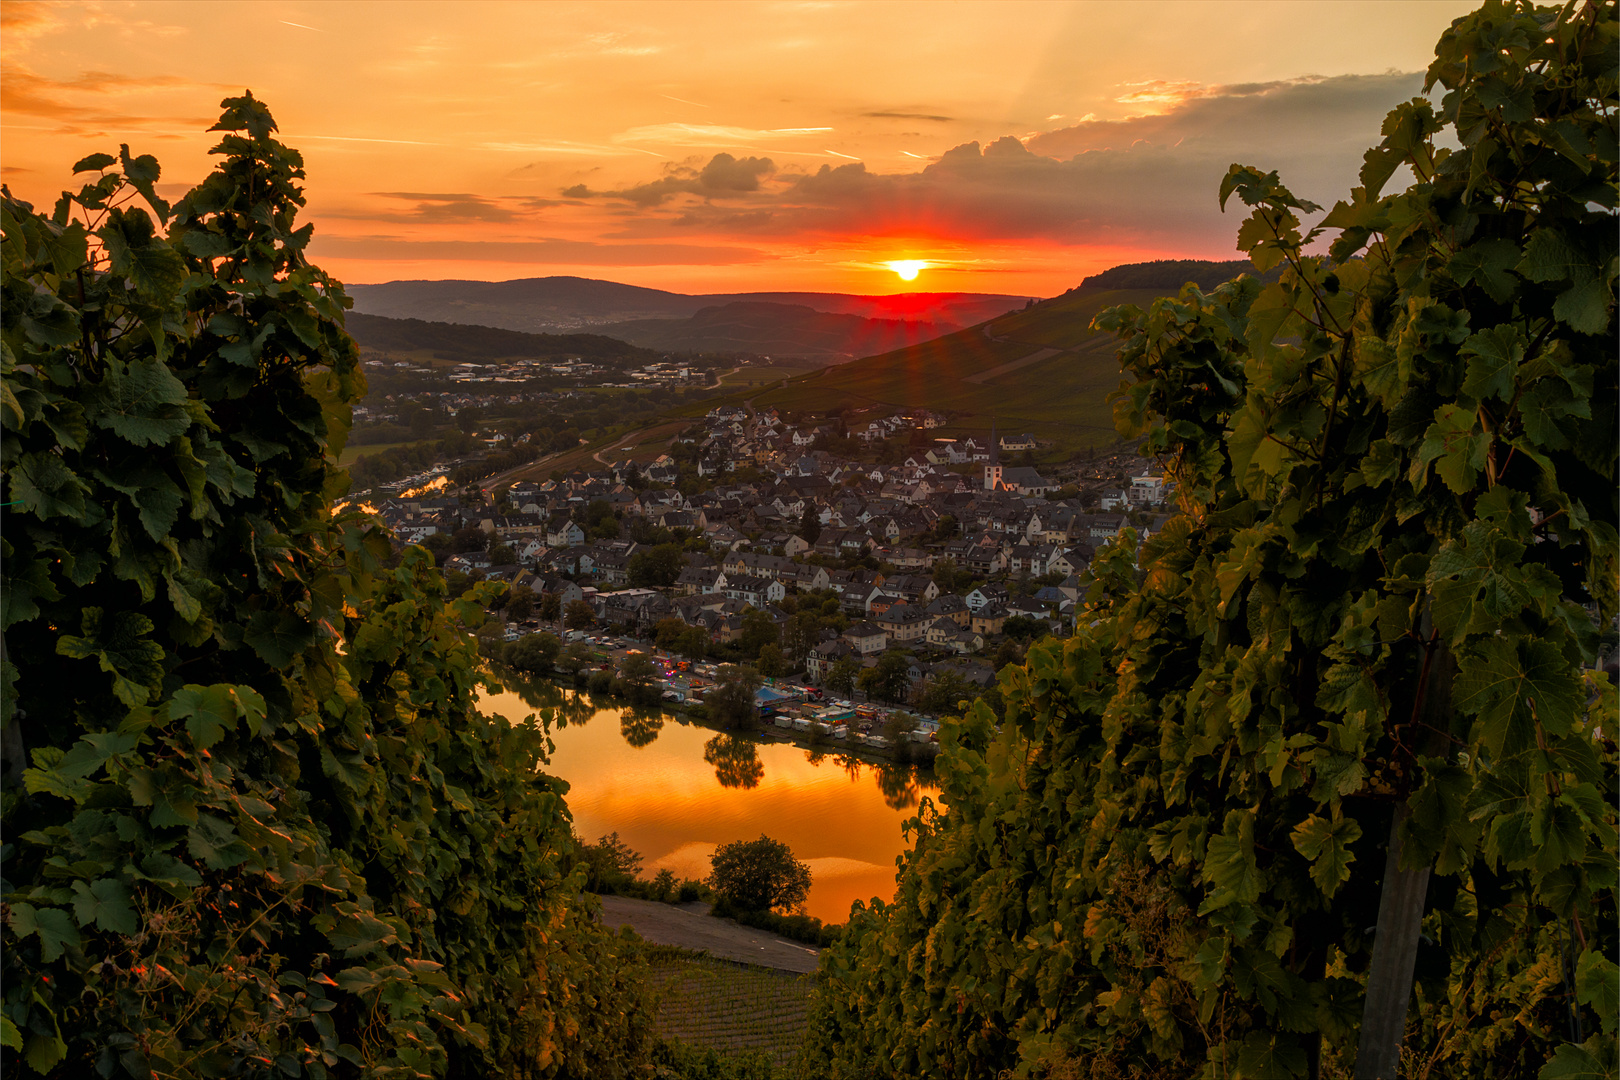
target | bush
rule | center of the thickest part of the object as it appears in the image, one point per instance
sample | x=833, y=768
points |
x=676, y=1060
x=611, y=865
x=799, y=927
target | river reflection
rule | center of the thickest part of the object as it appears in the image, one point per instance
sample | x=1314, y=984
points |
x=675, y=791
x=735, y=760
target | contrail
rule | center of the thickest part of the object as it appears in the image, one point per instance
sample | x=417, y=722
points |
x=301, y=26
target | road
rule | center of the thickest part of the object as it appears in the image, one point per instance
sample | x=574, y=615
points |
x=691, y=927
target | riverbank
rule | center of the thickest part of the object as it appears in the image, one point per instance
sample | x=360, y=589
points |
x=919, y=755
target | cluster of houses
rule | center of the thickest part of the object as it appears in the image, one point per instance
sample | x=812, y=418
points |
x=807, y=523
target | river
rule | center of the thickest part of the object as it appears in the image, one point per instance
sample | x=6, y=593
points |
x=674, y=791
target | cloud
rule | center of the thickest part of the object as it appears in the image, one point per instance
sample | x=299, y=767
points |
x=723, y=176
x=885, y=115
x=22, y=92
x=711, y=135
x=1149, y=180
x=544, y=251
x=438, y=208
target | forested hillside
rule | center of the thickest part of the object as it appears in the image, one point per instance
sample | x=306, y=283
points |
x=1325, y=783
x=467, y=343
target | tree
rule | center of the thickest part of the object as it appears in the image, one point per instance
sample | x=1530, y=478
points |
x=944, y=691
x=520, y=604
x=949, y=577
x=758, y=631
x=667, y=633
x=501, y=554
x=579, y=615
x=888, y=680
x=759, y=875
x=772, y=664
x=1025, y=627
x=640, y=676
x=469, y=538
x=694, y=643
x=657, y=567
x=731, y=701
x=840, y=678
x=218, y=683
x=1342, y=704
x=534, y=653
x=438, y=544
x=549, y=606
x=574, y=658
x=810, y=523
x=610, y=863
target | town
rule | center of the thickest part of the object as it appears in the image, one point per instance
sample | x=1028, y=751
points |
x=908, y=583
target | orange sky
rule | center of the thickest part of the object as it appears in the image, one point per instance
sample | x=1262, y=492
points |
x=1013, y=148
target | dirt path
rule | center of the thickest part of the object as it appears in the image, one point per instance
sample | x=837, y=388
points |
x=691, y=927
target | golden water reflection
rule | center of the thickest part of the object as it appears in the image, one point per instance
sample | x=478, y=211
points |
x=675, y=791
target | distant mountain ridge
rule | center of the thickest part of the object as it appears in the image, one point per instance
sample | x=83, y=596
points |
x=1168, y=275
x=550, y=304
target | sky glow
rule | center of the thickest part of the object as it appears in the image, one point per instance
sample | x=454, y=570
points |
x=1006, y=147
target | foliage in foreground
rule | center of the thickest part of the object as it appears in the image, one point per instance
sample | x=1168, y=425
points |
x=1374, y=621
x=264, y=830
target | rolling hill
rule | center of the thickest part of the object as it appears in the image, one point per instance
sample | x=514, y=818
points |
x=461, y=343
x=572, y=303
x=1039, y=370
x=776, y=329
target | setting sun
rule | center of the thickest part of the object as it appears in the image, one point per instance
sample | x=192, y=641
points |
x=908, y=269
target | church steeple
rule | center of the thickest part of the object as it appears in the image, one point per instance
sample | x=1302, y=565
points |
x=992, y=470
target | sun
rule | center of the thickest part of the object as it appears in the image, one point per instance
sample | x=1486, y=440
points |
x=908, y=269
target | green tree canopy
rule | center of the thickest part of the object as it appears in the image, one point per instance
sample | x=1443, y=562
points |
x=657, y=567
x=579, y=615
x=730, y=701
x=759, y=875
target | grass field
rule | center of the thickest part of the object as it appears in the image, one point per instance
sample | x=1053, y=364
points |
x=764, y=374
x=726, y=1006
x=351, y=452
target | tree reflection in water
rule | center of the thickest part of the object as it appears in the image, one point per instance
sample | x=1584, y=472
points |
x=640, y=727
x=735, y=760
x=559, y=707
x=899, y=786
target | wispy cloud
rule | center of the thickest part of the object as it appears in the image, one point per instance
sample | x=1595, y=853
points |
x=359, y=139
x=706, y=135
x=392, y=248
x=889, y=115
x=564, y=147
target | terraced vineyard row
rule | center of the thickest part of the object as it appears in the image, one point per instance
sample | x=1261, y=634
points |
x=727, y=1006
